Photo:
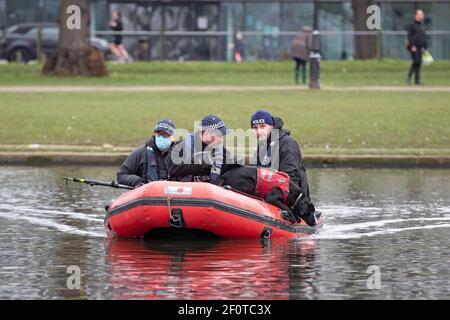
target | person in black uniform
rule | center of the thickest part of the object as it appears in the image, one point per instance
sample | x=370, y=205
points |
x=300, y=52
x=116, y=46
x=417, y=43
x=201, y=156
x=278, y=150
x=148, y=162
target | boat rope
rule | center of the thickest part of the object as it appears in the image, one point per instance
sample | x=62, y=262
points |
x=168, y=198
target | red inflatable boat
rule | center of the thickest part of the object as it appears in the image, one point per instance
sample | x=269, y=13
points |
x=196, y=208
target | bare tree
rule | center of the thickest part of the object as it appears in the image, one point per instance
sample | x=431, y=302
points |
x=75, y=56
x=365, y=45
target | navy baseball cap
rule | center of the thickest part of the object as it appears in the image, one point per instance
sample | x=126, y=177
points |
x=261, y=117
x=212, y=122
x=166, y=126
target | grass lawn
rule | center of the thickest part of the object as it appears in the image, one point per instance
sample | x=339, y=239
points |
x=320, y=120
x=333, y=73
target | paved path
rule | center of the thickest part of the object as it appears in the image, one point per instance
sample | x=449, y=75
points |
x=219, y=88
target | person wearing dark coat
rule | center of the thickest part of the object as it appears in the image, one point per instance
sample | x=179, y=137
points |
x=201, y=156
x=417, y=43
x=148, y=162
x=300, y=52
x=278, y=150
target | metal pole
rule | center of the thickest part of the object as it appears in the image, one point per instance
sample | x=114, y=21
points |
x=380, y=4
x=316, y=15
x=230, y=34
x=379, y=45
x=314, y=55
x=93, y=19
x=39, y=44
x=161, y=34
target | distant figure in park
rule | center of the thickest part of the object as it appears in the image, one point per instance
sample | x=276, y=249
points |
x=417, y=43
x=300, y=52
x=116, y=46
x=239, y=47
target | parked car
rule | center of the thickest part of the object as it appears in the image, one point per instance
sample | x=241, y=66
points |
x=18, y=42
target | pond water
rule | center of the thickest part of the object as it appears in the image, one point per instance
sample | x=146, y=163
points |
x=386, y=235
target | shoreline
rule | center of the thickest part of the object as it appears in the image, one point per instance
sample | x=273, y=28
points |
x=48, y=158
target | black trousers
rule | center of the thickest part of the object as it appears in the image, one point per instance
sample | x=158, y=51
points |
x=300, y=62
x=415, y=66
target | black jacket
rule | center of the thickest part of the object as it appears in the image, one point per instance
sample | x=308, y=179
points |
x=290, y=158
x=417, y=36
x=183, y=170
x=134, y=170
x=117, y=27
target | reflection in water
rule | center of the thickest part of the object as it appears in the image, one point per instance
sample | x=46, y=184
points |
x=396, y=219
x=209, y=269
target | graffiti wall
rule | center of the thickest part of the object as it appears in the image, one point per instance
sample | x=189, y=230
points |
x=171, y=17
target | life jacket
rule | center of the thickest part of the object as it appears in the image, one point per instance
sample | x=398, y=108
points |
x=153, y=172
x=268, y=179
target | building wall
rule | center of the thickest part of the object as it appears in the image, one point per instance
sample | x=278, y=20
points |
x=18, y=11
x=251, y=16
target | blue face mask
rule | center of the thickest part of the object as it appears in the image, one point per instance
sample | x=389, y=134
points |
x=162, y=142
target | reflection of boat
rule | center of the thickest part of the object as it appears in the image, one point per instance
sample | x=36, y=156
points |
x=209, y=268
x=163, y=207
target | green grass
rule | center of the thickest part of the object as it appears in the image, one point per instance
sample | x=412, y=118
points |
x=335, y=73
x=322, y=121
x=318, y=119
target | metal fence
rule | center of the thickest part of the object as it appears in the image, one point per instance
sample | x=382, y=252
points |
x=219, y=45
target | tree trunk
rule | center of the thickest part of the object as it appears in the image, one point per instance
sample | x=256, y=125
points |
x=75, y=57
x=365, y=45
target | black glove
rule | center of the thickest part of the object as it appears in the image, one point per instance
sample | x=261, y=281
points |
x=214, y=178
x=214, y=174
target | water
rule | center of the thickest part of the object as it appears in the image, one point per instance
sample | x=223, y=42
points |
x=396, y=221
